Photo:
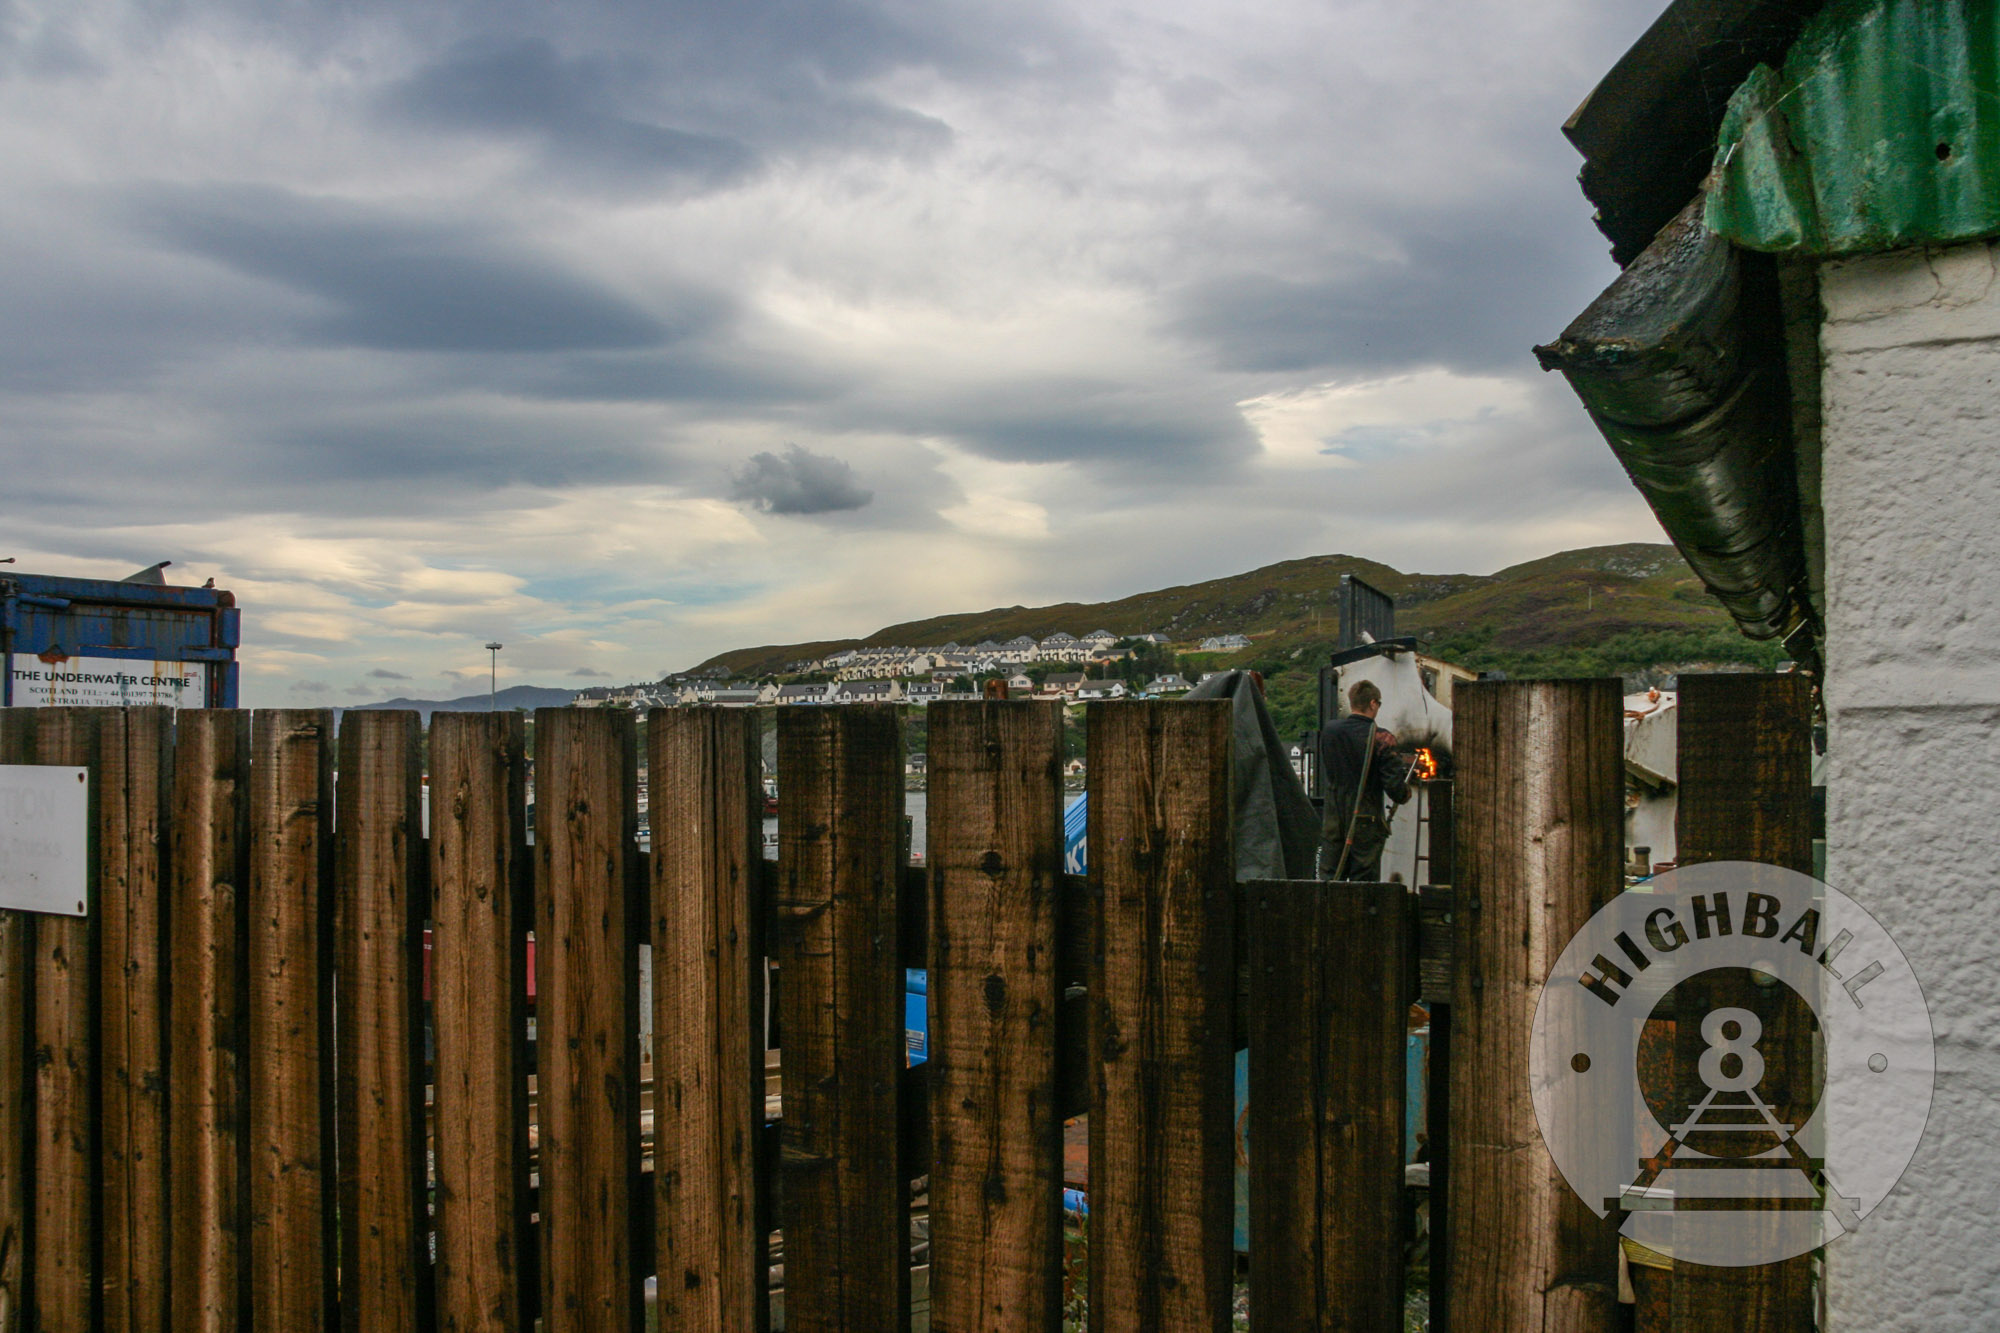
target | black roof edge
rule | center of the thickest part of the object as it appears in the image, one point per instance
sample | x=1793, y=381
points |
x=1647, y=131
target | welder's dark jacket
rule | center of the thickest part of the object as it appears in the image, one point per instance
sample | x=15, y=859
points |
x=1342, y=746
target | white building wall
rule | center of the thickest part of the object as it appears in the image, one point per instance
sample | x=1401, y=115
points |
x=1911, y=459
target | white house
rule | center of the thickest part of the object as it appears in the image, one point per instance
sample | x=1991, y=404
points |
x=803, y=694
x=1224, y=643
x=1061, y=647
x=867, y=692
x=1797, y=368
x=1171, y=683
x=923, y=692
x=1100, y=689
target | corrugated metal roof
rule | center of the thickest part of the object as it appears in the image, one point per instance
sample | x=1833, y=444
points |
x=1882, y=131
x=1647, y=133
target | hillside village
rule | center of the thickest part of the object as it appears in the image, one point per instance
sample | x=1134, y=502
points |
x=1634, y=610
x=1109, y=666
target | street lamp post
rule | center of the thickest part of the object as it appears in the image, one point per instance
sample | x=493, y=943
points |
x=493, y=677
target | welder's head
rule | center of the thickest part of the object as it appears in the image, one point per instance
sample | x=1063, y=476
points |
x=1362, y=696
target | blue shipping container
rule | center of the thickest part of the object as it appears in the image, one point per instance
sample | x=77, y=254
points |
x=100, y=642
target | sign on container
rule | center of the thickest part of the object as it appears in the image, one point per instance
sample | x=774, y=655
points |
x=107, y=682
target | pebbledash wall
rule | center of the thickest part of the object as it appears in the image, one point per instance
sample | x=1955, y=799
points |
x=1911, y=474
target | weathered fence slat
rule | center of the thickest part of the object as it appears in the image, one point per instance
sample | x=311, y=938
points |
x=1162, y=993
x=1329, y=996
x=379, y=921
x=135, y=764
x=480, y=912
x=840, y=805
x=207, y=931
x=1539, y=812
x=290, y=1020
x=66, y=1230
x=708, y=1030
x=995, y=854
x=17, y=746
x=1745, y=769
x=587, y=1014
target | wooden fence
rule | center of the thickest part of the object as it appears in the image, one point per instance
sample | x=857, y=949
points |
x=225, y=1101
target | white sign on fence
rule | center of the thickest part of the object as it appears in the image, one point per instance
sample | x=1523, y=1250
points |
x=44, y=838
x=106, y=682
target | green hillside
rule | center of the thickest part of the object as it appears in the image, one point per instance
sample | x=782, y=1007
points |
x=1634, y=610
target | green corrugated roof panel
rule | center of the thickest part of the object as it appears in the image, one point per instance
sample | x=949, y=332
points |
x=1882, y=131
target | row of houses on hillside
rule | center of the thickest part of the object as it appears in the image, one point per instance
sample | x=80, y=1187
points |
x=896, y=660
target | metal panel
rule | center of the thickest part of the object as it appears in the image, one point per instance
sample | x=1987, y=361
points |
x=1364, y=609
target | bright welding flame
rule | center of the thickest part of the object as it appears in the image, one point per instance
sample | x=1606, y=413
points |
x=1426, y=766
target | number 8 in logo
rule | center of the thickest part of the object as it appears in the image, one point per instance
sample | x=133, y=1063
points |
x=1725, y=1045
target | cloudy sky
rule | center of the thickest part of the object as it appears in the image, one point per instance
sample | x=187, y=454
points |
x=626, y=333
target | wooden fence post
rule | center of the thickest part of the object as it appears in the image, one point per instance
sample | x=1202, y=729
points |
x=291, y=1018
x=995, y=854
x=1745, y=769
x=208, y=927
x=1162, y=995
x=1329, y=1000
x=1539, y=800
x=708, y=1029
x=845, y=1211
x=481, y=912
x=68, y=1238
x=379, y=920
x=17, y=952
x=134, y=759
x=589, y=915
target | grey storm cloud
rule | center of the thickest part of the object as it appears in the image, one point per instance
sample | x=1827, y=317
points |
x=589, y=673
x=381, y=673
x=798, y=481
x=1458, y=290
x=408, y=284
x=524, y=86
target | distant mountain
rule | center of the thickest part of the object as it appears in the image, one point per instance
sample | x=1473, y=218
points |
x=514, y=696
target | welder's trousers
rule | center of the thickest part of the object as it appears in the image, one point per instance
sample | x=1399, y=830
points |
x=1364, y=859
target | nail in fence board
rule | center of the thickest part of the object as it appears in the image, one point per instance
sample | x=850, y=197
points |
x=995, y=852
x=587, y=1015
x=480, y=912
x=66, y=1226
x=1539, y=807
x=379, y=918
x=134, y=763
x=1329, y=997
x=291, y=1015
x=208, y=927
x=1745, y=769
x=708, y=1029
x=845, y=1215
x=1162, y=989
x=17, y=951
